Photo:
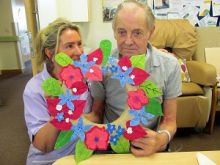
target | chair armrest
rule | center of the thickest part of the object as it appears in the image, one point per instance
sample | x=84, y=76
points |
x=202, y=73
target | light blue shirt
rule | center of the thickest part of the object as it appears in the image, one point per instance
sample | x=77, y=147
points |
x=36, y=116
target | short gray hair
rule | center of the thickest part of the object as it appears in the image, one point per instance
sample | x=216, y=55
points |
x=150, y=18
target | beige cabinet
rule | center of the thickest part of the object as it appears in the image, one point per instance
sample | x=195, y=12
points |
x=74, y=10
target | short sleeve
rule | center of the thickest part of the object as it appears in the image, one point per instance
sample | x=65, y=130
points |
x=174, y=84
x=35, y=110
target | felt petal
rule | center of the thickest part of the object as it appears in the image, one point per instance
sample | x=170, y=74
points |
x=63, y=125
x=134, y=132
x=79, y=106
x=63, y=59
x=106, y=47
x=124, y=63
x=151, y=89
x=52, y=104
x=138, y=61
x=94, y=73
x=139, y=76
x=95, y=56
x=122, y=146
x=81, y=152
x=79, y=88
x=52, y=87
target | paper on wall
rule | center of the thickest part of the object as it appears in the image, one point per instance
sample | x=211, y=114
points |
x=205, y=7
x=216, y=7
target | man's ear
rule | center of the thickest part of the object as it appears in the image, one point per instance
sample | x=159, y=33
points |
x=48, y=53
x=151, y=32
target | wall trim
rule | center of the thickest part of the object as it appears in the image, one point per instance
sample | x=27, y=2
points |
x=9, y=38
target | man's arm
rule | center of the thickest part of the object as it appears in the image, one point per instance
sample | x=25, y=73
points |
x=97, y=113
x=154, y=141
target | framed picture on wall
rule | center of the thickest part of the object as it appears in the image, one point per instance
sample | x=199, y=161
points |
x=108, y=8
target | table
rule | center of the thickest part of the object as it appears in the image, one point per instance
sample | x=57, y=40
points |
x=166, y=158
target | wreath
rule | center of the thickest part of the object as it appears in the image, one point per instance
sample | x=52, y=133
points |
x=66, y=107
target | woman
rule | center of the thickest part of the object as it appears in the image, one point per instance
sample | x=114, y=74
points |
x=60, y=36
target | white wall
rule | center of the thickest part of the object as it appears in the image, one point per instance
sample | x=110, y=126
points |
x=47, y=11
x=96, y=30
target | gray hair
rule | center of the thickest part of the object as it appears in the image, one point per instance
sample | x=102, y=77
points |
x=49, y=37
x=150, y=19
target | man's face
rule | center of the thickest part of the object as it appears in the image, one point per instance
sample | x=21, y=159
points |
x=131, y=32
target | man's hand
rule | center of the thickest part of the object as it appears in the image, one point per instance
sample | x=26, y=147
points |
x=151, y=143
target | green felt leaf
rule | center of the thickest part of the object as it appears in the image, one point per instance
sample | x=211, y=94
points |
x=122, y=146
x=63, y=138
x=138, y=61
x=154, y=107
x=63, y=59
x=82, y=152
x=151, y=89
x=52, y=87
x=106, y=47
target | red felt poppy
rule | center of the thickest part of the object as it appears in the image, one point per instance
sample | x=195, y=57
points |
x=95, y=56
x=79, y=87
x=94, y=73
x=139, y=76
x=134, y=132
x=124, y=63
x=55, y=109
x=70, y=74
x=137, y=99
x=97, y=138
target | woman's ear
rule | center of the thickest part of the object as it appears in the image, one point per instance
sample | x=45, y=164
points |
x=48, y=53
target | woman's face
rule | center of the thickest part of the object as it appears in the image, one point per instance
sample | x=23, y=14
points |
x=71, y=44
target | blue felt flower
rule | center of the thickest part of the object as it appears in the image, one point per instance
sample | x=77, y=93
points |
x=67, y=99
x=124, y=77
x=112, y=60
x=114, y=68
x=83, y=64
x=79, y=130
x=114, y=139
x=60, y=116
x=110, y=128
x=120, y=131
x=140, y=116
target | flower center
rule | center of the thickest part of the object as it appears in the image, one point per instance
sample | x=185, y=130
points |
x=96, y=139
x=71, y=77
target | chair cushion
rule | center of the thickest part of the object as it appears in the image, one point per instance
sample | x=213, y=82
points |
x=190, y=88
x=179, y=35
x=184, y=71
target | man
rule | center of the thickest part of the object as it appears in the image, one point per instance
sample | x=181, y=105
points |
x=133, y=26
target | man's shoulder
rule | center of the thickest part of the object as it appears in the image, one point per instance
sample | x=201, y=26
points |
x=164, y=57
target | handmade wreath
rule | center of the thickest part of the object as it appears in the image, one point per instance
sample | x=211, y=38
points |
x=66, y=107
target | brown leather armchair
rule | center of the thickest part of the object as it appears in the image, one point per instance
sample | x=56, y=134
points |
x=194, y=105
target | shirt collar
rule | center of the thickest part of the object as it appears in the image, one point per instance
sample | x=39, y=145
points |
x=152, y=61
x=45, y=74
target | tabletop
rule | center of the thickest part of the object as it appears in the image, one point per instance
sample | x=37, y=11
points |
x=166, y=158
